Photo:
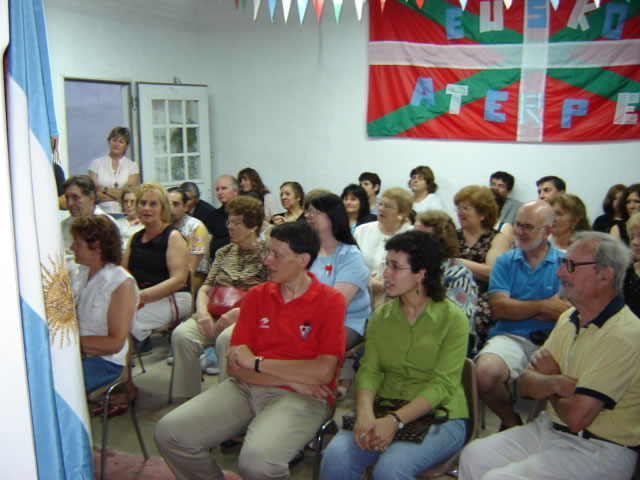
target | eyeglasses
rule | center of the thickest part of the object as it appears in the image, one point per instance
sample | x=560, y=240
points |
x=527, y=226
x=394, y=266
x=235, y=223
x=311, y=212
x=466, y=208
x=571, y=265
x=390, y=206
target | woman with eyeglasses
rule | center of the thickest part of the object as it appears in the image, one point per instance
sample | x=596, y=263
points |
x=105, y=296
x=632, y=278
x=479, y=244
x=340, y=264
x=570, y=217
x=238, y=264
x=415, y=350
x=393, y=211
x=628, y=204
x=356, y=203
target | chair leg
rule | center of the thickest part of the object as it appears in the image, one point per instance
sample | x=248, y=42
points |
x=328, y=427
x=141, y=362
x=134, y=420
x=483, y=412
x=105, y=426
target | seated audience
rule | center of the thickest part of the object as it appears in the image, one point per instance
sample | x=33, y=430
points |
x=129, y=223
x=479, y=245
x=196, y=235
x=197, y=207
x=356, y=204
x=114, y=171
x=291, y=198
x=457, y=279
x=570, y=217
x=587, y=372
x=105, y=296
x=340, y=265
x=250, y=182
x=158, y=258
x=226, y=188
x=503, y=183
x=285, y=351
x=371, y=183
x=393, y=210
x=414, y=354
x=629, y=204
x=632, y=278
x=238, y=265
x=611, y=209
x=549, y=187
x=423, y=184
x=522, y=295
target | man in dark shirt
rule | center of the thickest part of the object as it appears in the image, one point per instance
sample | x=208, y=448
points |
x=226, y=189
x=197, y=208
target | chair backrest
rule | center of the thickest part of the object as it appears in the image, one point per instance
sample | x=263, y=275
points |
x=470, y=385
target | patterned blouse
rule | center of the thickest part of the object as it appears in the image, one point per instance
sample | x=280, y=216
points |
x=478, y=253
x=238, y=268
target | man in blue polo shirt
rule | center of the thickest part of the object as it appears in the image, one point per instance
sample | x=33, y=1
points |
x=523, y=297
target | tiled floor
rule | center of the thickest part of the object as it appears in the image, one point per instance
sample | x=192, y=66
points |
x=151, y=405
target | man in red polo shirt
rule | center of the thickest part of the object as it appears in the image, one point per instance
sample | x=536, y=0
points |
x=285, y=352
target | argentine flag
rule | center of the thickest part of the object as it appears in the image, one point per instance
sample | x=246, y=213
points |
x=60, y=423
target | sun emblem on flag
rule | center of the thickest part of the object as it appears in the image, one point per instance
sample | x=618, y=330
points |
x=58, y=300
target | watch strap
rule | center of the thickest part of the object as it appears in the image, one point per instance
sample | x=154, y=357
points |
x=256, y=366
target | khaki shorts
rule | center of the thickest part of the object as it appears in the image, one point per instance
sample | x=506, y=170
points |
x=514, y=350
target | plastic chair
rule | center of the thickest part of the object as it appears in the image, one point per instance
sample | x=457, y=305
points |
x=469, y=382
x=107, y=390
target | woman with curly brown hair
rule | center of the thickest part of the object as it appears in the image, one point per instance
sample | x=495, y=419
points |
x=628, y=204
x=611, y=209
x=105, y=296
x=479, y=244
x=251, y=183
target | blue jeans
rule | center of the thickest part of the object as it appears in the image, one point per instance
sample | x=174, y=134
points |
x=99, y=372
x=344, y=460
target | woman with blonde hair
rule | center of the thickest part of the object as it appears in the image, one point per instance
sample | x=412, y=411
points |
x=479, y=244
x=158, y=258
x=393, y=210
x=570, y=217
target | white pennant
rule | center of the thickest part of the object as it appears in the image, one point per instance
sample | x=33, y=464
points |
x=507, y=3
x=359, y=4
x=554, y=4
x=286, y=8
x=256, y=6
x=463, y=4
x=597, y=2
x=302, y=9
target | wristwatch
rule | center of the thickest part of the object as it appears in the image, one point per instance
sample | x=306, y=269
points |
x=396, y=419
x=256, y=366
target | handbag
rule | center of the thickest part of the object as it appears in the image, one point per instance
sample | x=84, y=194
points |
x=223, y=299
x=414, y=431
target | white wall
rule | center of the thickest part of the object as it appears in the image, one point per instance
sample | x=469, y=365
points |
x=290, y=100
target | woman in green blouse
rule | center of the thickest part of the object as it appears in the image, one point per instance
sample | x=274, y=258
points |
x=415, y=349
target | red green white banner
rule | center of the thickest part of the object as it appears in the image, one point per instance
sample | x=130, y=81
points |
x=527, y=74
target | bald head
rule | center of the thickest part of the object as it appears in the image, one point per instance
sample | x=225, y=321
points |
x=533, y=225
x=226, y=188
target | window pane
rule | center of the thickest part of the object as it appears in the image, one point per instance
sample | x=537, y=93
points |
x=176, y=140
x=175, y=111
x=159, y=113
x=177, y=168
x=194, y=167
x=191, y=108
x=193, y=142
x=159, y=141
x=162, y=170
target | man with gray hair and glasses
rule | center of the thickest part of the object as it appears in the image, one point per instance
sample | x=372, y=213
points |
x=588, y=371
x=523, y=298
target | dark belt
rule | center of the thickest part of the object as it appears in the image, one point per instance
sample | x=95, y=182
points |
x=586, y=434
